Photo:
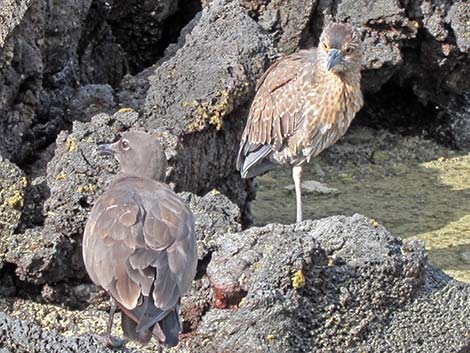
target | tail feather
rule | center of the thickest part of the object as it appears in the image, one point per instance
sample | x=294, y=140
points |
x=129, y=327
x=171, y=328
x=256, y=162
x=145, y=320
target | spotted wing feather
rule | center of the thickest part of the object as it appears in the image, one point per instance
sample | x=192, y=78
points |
x=275, y=113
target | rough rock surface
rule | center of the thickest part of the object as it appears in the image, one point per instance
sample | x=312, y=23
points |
x=200, y=95
x=12, y=186
x=22, y=337
x=336, y=284
x=456, y=126
x=287, y=21
x=76, y=176
x=341, y=284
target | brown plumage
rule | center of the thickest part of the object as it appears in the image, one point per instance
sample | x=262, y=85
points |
x=303, y=104
x=139, y=242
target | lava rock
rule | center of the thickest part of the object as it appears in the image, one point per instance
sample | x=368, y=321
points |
x=215, y=215
x=76, y=176
x=201, y=94
x=26, y=337
x=287, y=21
x=455, y=122
x=12, y=185
x=336, y=284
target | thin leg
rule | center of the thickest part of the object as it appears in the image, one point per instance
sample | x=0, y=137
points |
x=112, y=310
x=297, y=176
x=107, y=339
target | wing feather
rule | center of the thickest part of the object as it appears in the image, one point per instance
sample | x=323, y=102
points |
x=141, y=242
x=274, y=114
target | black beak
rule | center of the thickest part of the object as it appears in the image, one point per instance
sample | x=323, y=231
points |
x=106, y=149
x=334, y=57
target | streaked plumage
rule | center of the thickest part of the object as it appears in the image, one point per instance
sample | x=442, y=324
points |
x=139, y=242
x=303, y=104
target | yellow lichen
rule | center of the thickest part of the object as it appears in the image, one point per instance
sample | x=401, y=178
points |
x=126, y=110
x=215, y=192
x=24, y=181
x=212, y=113
x=16, y=200
x=71, y=144
x=298, y=280
x=61, y=176
x=270, y=338
x=331, y=262
x=87, y=189
x=373, y=223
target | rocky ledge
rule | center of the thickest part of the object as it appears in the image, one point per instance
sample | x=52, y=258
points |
x=339, y=284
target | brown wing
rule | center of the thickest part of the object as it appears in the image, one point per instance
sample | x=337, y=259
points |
x=141, y=243
x=274, y=114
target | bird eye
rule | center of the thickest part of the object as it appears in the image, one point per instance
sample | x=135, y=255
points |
x=125, y=144
x=325, y=46
x=348, y=50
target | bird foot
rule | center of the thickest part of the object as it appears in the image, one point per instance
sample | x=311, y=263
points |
x=111, y=341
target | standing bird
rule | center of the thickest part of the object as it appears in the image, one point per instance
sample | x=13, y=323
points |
x=139, y=243
x=303, y=104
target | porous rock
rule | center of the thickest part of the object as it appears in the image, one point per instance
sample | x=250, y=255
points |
x=336, y=284
x=26, y=337
x=201, y=94
x=12, y=186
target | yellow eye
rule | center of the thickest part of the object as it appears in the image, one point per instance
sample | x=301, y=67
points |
x=325, y=46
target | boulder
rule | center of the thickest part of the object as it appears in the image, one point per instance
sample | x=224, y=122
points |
x=336, y=284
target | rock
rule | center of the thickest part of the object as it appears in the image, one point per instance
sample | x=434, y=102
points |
x=139, y=27
x=90, y=100
x=339, y=284
x=200, y=95
x=215, y=215
x=21, y=70
x=76, y=176
x=459, y=16
x=26, y=337
x=455, y=122
x=287, y=21
x=12, y=186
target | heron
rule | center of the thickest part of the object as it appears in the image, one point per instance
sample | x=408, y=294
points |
x=303, y=104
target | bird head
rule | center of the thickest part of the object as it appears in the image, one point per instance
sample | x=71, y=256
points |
x=340, y=48
x=139, y=153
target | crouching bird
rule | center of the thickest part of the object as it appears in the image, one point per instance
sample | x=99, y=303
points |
x=303, y=104
x=139, y=243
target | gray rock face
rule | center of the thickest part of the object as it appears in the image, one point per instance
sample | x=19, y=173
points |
x=457, y=121
x=337, y=284
x=204, y=91
x=22, y=337
x=12, y=186
x=287, y=21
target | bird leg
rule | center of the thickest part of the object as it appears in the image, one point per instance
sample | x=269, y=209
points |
x=107, y=339
x=297, y=176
